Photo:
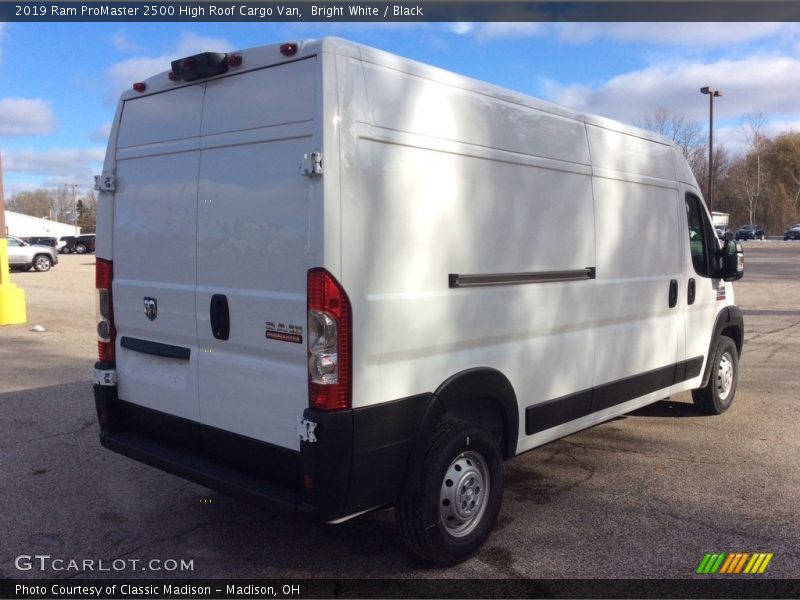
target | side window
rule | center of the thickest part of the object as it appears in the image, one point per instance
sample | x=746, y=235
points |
x=698, y=235
x=13, y=242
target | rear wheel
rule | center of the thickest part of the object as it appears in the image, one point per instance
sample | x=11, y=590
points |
x=80, y=248
x=718, y=394
x=453, y=502
x=42, y=263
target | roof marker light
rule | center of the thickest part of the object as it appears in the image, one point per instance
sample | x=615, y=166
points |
x=173, y=76
x=289, y=49
x=139, y=86
x=234, y=60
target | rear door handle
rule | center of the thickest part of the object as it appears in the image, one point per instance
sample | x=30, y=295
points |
x=690, y=291
x=220, y=317
x=673, y=293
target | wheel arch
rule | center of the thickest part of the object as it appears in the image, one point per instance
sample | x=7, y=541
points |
x=729, y=323
x=485, y=396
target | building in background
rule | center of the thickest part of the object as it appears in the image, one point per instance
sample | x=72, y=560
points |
x=22, y=226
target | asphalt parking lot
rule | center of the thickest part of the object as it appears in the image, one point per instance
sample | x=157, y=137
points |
x=645, y=496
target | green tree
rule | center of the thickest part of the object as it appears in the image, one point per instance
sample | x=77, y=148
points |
x=87, y=213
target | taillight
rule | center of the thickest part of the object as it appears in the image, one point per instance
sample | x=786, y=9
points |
x=329, y=343
x=104, y=275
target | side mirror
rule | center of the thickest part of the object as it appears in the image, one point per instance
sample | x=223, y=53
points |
x=732, y=263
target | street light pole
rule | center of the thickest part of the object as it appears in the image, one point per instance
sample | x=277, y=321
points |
x=74, y=206
x=711, y=95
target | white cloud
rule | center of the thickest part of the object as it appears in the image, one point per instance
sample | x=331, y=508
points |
x=498, y=30
x=691, y=35
x=56, y=166
x=706, y=35
x=124, y=74
x=765, y=83
x=25, y=116
x=505, y=31
x=460, y=28
x=123, y=43
x=735, y=141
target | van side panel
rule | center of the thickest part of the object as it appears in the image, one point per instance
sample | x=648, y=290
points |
x=478, y=205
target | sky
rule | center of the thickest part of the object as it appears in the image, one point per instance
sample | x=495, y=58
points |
x=59, y=82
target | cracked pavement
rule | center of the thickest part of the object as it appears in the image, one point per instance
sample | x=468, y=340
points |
x=643, y=496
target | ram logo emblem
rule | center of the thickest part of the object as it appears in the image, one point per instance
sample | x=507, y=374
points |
x=151, y=308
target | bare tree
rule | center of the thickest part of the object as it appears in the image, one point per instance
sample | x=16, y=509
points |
x=38, y=203
x=686, y=134
x=62, y=205
x=750, y=175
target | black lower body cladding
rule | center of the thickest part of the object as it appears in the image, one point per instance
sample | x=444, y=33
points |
x=358, y=461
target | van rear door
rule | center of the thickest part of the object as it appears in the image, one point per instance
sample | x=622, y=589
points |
x=154, y=242
x=213, y=233
x=254, y=250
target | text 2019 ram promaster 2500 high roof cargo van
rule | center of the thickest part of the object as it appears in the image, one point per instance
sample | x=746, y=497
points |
x=334, y=279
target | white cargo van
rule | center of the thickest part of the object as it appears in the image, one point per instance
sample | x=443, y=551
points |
x=333, y=279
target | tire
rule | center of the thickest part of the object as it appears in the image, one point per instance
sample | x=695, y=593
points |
x=42, y=263
x=454, y=498
x=717, y=396
x=80, y=248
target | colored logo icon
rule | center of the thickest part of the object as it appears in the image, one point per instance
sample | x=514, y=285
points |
x=734, y=563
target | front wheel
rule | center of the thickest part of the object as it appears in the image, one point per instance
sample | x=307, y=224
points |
x=454, y=499
x=718, y=394
x=42, y=263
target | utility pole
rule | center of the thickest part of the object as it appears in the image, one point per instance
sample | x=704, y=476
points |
x=12, y=298
x=74, y=205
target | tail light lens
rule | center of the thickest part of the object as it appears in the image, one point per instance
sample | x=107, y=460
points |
x=104, y=275
x=329, y=343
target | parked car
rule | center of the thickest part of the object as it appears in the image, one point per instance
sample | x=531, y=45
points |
x=84, y=243
x=24, y=256
x=721, y=231
x=750, y=231
x=792, y=233
x=65, y=244
x=41, y=241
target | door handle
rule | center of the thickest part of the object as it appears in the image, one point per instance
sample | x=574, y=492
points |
x=690, y=292
x=673, y=293
x=220, y=317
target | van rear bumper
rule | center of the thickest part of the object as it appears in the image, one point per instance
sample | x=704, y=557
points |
x=248, y=469
x=359, y=461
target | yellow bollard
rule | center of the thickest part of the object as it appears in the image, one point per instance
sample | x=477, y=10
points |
x=12, y=298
